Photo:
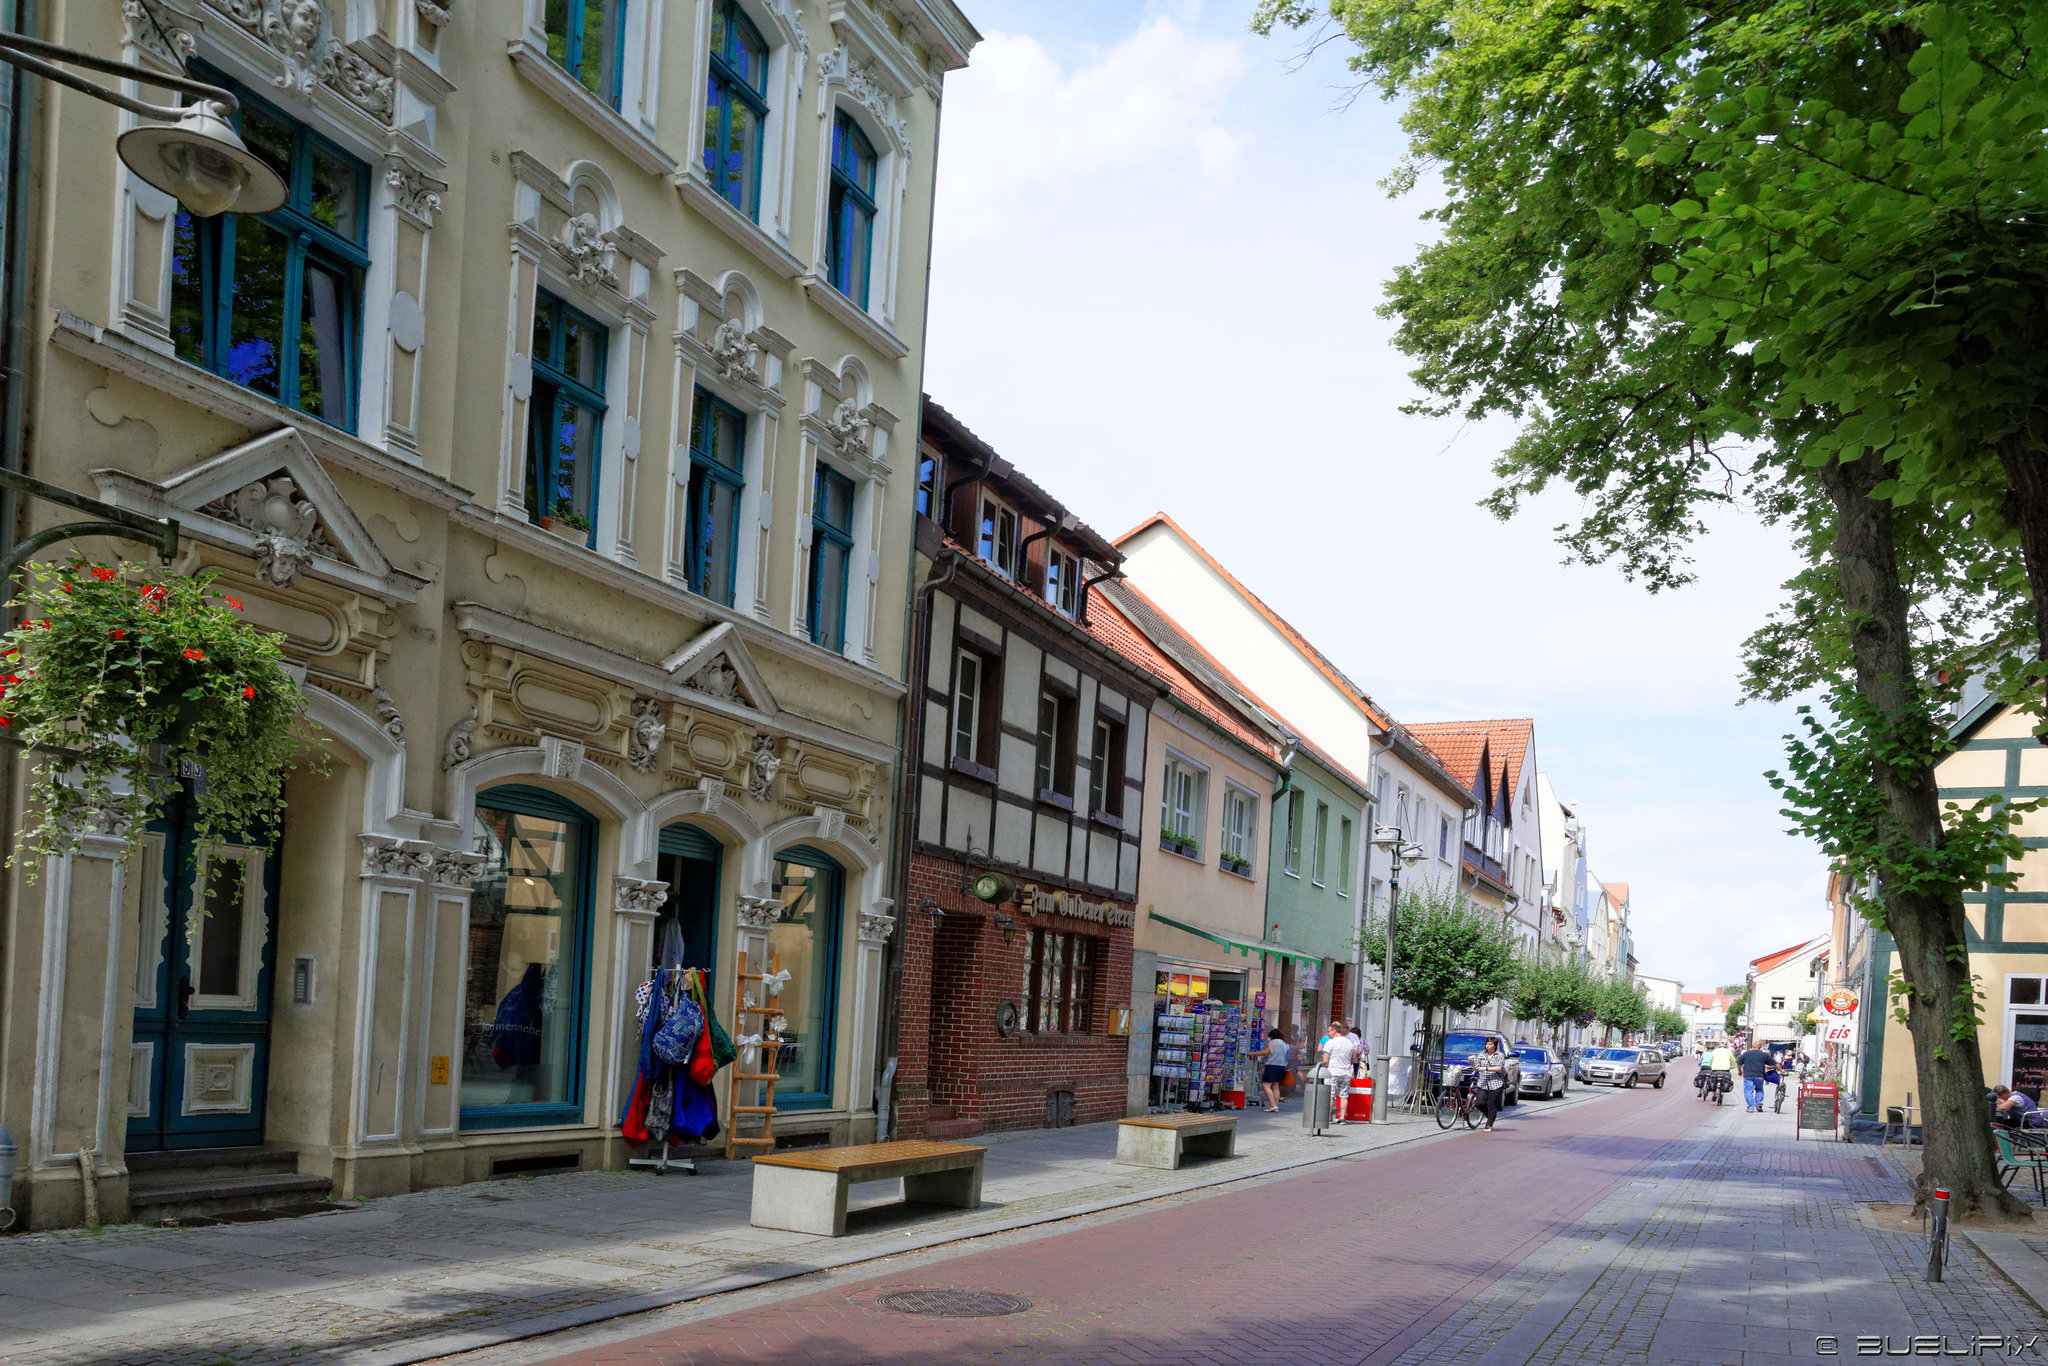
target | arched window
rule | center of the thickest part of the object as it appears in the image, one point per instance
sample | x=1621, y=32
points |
x=850, y=210
x=735, y=108
x=804, y=941
x=525, y=1002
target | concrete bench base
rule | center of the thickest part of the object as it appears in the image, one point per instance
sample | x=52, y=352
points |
x=1163, y=1140
x=806, y=1192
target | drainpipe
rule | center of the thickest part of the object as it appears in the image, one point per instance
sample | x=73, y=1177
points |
x=1115, y=572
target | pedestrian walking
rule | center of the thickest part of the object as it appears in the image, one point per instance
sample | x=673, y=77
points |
x=1275, y=1054
x=1490, y=1078
x=1755, y=1063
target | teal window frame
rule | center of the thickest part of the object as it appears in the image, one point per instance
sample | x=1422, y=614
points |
x=706, y=468
x=204, y=271
x=536, y=801
x=554, y=389
x=727, y=93
x=850, y=210
x=828, y=974
x=827, y=609
x=567, y=24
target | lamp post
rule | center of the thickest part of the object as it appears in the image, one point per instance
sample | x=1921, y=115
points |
x=193, y=154
x=1404, y=854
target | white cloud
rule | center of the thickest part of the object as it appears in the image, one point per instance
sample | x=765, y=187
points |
x=1152, y=100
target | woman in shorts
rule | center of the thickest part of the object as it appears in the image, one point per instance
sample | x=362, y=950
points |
x=1275, y=1053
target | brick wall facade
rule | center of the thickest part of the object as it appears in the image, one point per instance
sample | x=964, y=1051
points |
x=954, y=1071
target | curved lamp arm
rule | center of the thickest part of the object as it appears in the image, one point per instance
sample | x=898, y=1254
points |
x=28, y=53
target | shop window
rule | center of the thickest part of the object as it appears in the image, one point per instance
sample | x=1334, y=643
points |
x=831, y=551
x=850, y=211
x=566, y=416
x=584, y=39
x=736, y=108
x=525, y=998
x=1055, y=756
x=718, y=475
x=273, y=301
x=1059, y=982
x=1106, y=768
x=804, y=941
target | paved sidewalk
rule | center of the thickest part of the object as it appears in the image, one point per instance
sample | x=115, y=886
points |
x=1742, y=1247
x=417, y=1276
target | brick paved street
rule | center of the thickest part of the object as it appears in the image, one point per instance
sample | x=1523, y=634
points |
x=1645, y=1228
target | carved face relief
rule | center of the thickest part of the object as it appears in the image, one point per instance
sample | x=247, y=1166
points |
x=762, y=766
x=644, y=740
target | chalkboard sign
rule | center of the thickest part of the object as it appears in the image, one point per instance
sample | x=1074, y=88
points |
x=1816, y=1108
x=2030, y=1066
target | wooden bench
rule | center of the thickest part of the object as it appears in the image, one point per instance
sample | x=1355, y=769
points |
x=1163, y=1140
x=805, y=1191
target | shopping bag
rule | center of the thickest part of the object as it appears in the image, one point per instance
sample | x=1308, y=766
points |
x=701, y=1065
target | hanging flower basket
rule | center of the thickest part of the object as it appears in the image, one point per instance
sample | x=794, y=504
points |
x=124, y=677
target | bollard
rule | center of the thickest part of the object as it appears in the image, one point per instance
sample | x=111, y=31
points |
x=1937, y=1238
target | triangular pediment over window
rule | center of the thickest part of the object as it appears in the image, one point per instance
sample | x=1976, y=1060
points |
x=270, y=499
x=717, y=663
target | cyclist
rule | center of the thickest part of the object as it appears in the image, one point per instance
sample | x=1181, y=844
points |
x=1775, y=1075
x=1720, y=1065
x=1490, y=1078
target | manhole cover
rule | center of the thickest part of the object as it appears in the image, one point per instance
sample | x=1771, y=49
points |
x=953, y=1304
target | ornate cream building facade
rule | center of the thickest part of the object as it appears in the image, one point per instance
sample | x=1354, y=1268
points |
x=558, y=423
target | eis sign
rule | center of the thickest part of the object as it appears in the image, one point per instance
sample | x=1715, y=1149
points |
x=1840, y=1026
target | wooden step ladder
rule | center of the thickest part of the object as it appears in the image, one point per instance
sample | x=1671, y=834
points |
x=767, y=1055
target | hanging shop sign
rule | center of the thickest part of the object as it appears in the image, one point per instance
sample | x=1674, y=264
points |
x=1080, y=908
x=1840, y=1001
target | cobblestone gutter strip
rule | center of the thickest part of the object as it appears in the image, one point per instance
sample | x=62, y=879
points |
x=450, y=1344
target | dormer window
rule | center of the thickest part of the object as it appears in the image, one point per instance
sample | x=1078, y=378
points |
x=1062, y=580
x=736, y=108
x=999, y=538
x=927, y=486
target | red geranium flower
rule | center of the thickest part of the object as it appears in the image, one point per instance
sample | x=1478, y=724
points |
x=246, y=692
x=118, y=633
x=102, y=573
x=195, y=654
x=235, y=603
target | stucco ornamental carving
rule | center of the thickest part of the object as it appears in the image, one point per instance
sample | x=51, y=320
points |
x=561, y=758
x=460, y=737
x=854, y=433
x=456, y=867
x=387, y=857
x=639, y=896
x=759, y=912
x=731, y=352
x=287, y=526
x=432, y=13
x=301, y=32
x=714, y=794
x=414, y=191
x=864, y=83
x=156, y=33
x=386, y=712
x=762, y=766
x=644, y=740
x=720, y=680
x=877, y=928
x=583, y=246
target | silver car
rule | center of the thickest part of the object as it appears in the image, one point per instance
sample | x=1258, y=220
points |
x=1624, y=1066
x=1542, y=1071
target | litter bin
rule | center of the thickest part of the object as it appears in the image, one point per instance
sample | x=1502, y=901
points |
x=1358, y=1105
x=1315, y=1106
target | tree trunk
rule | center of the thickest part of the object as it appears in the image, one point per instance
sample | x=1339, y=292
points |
x=1957, y=1155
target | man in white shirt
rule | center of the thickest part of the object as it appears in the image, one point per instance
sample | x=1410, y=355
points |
x=1340, y=1051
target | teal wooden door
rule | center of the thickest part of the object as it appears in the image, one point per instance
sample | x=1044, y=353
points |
x=200, y=1058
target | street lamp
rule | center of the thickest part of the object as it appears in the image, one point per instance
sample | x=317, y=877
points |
x=198, y=159
x=1404, y=855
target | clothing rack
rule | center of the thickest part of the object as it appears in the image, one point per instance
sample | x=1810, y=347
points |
x=661, y=1164
x=767, y=1055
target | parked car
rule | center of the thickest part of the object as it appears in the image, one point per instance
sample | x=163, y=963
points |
x=1446, y=1063
x=1625, y=1066
x=1542, y=1071
x=1672, y=1048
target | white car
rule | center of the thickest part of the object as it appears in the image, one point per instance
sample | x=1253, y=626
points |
x=1542, y=1071
x=1625, y=1066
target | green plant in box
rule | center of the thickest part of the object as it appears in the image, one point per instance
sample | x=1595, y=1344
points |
x=121, y=676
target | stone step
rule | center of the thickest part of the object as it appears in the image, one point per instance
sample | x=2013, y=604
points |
x=190, y=1164
x=159, y=1198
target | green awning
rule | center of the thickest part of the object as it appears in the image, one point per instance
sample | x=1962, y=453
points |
x=1237, y=941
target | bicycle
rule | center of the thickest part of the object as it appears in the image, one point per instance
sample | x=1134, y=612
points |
x=1457, y=1102
x=1778, y=1104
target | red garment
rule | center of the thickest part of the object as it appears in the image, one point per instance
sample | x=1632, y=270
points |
x=635, y=1127
x=702, y=1068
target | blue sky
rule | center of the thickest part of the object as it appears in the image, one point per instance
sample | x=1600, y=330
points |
x=1159, y=247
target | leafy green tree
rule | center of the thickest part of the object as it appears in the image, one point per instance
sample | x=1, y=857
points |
x=1623, y=1007
x=1666, y=1023
x=1553, y=988
x=1450, y=954
x=1731, y=1024
x=1735, y=990
x=1678, y=330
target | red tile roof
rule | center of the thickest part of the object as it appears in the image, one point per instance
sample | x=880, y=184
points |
x=1709, y=1000
x=1279, y=623
x=1778, y=959
x=1457, y=746
x=1110, y=626
x=1460, y=742
x=1617, y=890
